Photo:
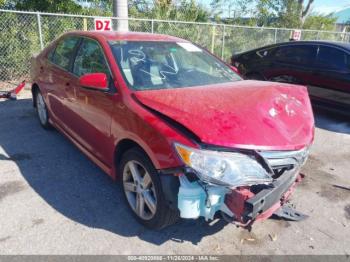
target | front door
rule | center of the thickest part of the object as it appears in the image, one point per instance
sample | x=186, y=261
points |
x=95, y=107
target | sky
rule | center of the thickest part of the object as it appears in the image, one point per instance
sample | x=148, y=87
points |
x=319, y=6
x=329, y=6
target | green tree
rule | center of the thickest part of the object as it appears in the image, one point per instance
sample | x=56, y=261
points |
x=277, y=13
x=290, y=13
x=319, y=22
x=53, y=6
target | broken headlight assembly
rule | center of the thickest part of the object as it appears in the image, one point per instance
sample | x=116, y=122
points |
x=231, y=169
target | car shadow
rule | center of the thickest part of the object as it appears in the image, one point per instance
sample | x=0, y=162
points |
x=329, y=120
x=70, y=183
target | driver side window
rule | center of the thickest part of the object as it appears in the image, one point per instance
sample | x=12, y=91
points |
x=90, y=59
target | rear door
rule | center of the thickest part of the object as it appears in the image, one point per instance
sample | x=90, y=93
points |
x=331, y=76
x=292, y=64
x=57, y=77
x=94, y=107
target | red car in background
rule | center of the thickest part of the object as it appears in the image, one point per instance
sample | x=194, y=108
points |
x=182, y=131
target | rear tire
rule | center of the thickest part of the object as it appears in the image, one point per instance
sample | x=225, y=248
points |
x=41, y=110
x=143, y=191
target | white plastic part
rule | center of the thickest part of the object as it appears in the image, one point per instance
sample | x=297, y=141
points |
x=195, y=200
x=191, y=197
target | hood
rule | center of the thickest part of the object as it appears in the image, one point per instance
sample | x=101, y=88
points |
x=245, y=114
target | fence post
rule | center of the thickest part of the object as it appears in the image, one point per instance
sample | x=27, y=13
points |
x=85, y=24
x=223, y=42
x=152, y=26
x=275, y=35
x=39, y=29
x=213, y=39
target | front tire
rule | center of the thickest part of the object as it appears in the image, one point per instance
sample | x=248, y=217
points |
x=41, y=110
x=143, y=191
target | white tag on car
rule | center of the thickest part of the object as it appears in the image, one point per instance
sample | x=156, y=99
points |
x=189, y=47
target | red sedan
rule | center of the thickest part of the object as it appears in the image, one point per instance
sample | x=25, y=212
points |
x=184, y=133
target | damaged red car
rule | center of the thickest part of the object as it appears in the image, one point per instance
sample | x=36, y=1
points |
x=186, y=135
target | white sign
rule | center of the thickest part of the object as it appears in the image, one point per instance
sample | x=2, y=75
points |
x=296, y=35
x=103, y=24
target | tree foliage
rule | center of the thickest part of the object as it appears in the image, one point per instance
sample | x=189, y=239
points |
x=185, y=10
x=276, y=13
x=188, y=10
x=52, y=6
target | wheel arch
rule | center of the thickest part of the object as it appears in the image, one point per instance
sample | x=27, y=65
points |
x=124, y=145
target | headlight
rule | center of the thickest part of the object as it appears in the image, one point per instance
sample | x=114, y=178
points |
x=224, y=168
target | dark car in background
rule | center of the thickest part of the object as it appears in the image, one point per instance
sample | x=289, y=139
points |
x=324, y=67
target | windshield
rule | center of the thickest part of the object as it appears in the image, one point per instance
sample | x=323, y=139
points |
x=150, y=65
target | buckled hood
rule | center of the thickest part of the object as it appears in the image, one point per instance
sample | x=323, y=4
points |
x=244, y=114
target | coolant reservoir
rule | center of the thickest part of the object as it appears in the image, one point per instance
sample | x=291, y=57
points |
x=191, y=198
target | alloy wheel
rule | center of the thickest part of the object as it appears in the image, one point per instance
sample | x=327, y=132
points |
x=139, y=190
x=41, y=107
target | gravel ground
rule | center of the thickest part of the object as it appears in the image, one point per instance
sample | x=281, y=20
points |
x=53, y=200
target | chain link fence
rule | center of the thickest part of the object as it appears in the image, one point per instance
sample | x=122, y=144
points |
x=23, y=34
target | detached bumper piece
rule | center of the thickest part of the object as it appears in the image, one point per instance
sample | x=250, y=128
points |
x=268, y=197
x=13, y=93
x=289, y=213
x=248, y=207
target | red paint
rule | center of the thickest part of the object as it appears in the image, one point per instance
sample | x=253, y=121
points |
x=98, y=25
x=14, y=92
x=94, y=80
x=244, y=114
x=103, y=24
x=108, y=25
x=234, y=115
x=235, y=69
x=236, y=200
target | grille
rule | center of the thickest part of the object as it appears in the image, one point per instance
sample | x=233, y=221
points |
x=280, y=161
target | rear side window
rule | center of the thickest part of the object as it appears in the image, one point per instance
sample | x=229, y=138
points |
x=299, y=54
x=90, y=59
x=332, y=58
x=266, y=52
x=64, y=52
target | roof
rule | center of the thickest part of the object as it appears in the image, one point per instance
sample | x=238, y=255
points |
x=331, y=43
x=135, y=36
x=343, y=16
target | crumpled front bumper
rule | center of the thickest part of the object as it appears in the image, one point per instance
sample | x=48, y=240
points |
x=243, y=205
x=248, y=207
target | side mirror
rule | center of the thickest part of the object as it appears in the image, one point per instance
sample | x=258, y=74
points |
x=96, y=81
